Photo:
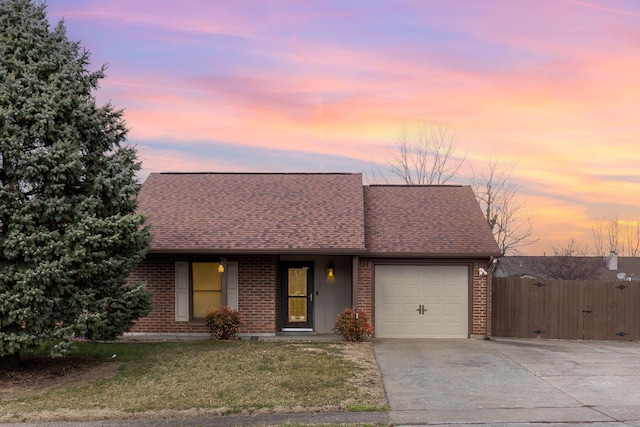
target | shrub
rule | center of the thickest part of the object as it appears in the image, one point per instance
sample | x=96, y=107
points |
x=223, y=323
x=353, y=325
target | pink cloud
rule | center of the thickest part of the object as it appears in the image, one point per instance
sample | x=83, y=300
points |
x=552, y=86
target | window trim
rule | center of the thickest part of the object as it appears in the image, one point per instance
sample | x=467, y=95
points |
x=223, y=290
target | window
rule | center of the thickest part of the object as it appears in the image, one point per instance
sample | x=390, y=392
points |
x=206, y=287
x=199, y=287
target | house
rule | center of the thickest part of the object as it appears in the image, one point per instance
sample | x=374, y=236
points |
x=292, y=250
x=611, y=267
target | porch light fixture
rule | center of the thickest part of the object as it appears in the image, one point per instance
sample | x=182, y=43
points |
x=221, y=267
x=482, y=272
x=330, y=271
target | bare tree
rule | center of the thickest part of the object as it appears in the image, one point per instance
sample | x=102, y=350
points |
x=614, y=235
x=598, y=239
x=571, y=262
x=503, y=209
x=425, y=155
x=632, y=238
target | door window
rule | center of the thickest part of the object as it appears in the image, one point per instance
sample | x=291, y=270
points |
x=297, y=292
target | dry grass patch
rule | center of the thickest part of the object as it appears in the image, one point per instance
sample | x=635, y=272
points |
x=200, y=378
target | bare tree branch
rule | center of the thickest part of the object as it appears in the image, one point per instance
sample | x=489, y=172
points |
x=598, y=234
x=498, y=197
x=425, y=156
x=622, y=237
x=632, y=238
x=613, y=233
x=571, y=263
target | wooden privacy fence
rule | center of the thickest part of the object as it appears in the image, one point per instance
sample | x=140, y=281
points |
x=565, y=309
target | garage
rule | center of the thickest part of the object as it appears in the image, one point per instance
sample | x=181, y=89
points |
x=422, y=301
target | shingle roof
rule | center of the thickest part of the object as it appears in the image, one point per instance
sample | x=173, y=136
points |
x=255, y=212
x=427, y=221
x=313, y=213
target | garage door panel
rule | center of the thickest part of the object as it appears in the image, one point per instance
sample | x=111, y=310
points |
x=442, y=290
x=430, y=330
x=431, y=290
x=453, y=306
x=433, y=310
x=391, y=291
x=430, y=276
x=410, y=290
x=453, y=290
x=401, y=274
x=455, y=275
x=397, y=311
x=412, y=328
x=388, y=310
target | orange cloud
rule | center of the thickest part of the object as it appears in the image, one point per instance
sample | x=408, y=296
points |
x=549, y=86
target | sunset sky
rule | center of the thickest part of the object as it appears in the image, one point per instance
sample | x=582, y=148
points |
x=552, y=86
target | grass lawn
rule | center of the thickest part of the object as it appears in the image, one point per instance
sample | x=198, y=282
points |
x=150, y=380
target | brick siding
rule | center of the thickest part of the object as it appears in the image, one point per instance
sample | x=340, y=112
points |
x=480, y=310
x=259, y=294
x=257, y=290
x=364, y=290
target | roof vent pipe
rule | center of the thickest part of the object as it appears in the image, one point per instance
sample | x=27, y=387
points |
x=612, y=261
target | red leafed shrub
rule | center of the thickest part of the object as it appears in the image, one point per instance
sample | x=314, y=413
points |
x=223, y=323
x=353, y=325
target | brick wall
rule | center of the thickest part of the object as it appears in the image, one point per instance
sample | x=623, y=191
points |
x=257, y=290
x=364, y=287
x=258, y=293
x=480, y=313
x=158, y=273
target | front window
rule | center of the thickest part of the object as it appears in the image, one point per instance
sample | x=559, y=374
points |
x=207, y=287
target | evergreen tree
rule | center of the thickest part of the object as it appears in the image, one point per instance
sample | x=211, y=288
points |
x=69, y=231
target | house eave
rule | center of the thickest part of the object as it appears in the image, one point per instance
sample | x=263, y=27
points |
x=324, y=251
x=466, y=255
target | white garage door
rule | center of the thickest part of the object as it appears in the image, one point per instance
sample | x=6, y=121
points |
x=420, y=301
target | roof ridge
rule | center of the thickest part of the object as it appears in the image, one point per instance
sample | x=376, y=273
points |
x=259, y=173
x=418, y=185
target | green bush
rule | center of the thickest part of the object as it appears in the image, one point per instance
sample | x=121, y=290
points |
x=223, y=323
x=353, y=325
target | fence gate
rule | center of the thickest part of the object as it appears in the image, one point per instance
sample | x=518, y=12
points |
x=565, y=309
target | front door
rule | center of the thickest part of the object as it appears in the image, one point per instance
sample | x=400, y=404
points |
x=298, y=296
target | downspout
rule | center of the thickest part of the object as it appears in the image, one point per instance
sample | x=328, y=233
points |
x=490, y=296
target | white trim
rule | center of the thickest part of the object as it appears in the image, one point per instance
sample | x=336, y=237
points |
x=297, y=329
x=182, y=291
x=233, y=296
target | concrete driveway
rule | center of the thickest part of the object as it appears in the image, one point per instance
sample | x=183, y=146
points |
x=510, y=381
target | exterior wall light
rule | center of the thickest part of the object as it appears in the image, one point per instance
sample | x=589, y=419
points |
x=482, y=272
x=221, y=267
x=330, y=271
